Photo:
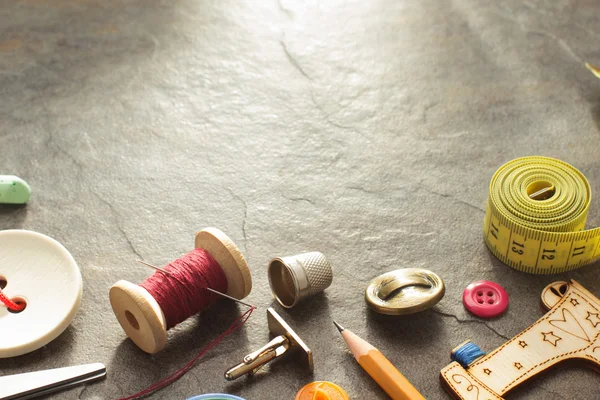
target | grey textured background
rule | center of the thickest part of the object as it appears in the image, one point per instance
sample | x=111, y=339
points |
x=367, y=130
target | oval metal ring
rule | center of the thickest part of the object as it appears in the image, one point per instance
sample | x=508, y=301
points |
x=404, y=291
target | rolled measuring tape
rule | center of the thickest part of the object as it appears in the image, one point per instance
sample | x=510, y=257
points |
x=536, y=214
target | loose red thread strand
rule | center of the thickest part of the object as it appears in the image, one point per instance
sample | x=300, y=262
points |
x=238, y=323
x=11, y=305
x=180, y=294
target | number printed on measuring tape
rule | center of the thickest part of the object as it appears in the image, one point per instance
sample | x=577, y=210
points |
x=536, y=213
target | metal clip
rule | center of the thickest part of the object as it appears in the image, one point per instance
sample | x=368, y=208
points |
x=286, y=341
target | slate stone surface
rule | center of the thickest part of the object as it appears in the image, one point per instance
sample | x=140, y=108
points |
x=367, y=130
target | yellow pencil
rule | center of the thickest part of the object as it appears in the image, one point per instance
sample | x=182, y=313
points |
x=380, y=368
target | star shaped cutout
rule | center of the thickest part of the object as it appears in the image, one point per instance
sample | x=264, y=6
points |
x=487, y=371
x=593, y=318
x=518, y=365
x=574, y=302
x=551, y=338
x=522, y=343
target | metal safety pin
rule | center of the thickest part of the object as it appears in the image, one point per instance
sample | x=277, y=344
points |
x=33, y=384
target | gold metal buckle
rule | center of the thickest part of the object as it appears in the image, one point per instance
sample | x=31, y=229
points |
x=404, y=291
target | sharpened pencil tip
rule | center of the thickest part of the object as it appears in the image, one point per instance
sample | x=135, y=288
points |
x=340, y=328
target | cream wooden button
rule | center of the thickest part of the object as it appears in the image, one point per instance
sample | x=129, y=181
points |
x=40, y=271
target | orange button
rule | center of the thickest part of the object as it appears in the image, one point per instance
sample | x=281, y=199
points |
x=322, y=391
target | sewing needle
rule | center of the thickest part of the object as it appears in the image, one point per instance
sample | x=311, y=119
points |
x=230, y=298
x=209, y=289
x=155, y=267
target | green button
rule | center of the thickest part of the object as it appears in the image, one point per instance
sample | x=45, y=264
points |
x=13, y=190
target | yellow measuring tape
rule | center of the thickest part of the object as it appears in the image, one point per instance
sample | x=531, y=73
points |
x=536, y=214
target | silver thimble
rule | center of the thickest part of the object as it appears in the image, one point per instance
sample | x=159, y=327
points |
x=293, y=278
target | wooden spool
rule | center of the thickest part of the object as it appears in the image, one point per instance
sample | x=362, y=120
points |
x=140, y=315
x=39, y=271
x=570, y=330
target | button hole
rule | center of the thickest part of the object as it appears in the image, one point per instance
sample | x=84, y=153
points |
x=490, y=294
x=19, y=301
x=3, y=282
x=490, y=301
x=479, y=293
x=480, y=301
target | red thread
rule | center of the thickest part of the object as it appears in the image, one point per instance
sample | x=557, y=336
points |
x=182, y=293
x=11, y=305
x=238, y=323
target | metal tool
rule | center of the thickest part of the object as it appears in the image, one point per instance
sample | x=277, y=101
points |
x=40, y=383
x=294, y=278
x=404, y=291
x=209, y=289
x=286, y=341
x=230, y=297
x=164, y=271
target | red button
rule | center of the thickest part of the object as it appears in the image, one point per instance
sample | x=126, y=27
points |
x=485, y=299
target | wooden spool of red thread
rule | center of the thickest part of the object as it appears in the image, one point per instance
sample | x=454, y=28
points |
x=139, y=313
